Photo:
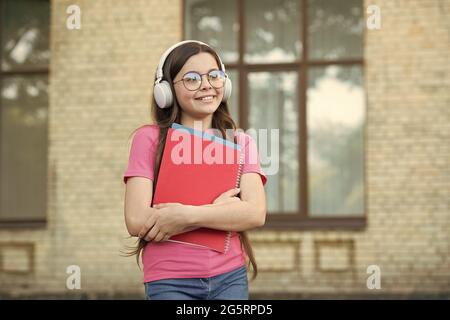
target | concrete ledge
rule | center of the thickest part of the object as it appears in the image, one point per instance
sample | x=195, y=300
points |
x=294, y=296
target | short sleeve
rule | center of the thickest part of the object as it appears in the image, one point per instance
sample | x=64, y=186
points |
x=251, y=156
x=141, y=161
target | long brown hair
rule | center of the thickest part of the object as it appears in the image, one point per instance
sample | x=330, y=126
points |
x=221, y=120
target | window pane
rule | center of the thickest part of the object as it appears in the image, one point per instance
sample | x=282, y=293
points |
x=23, y=147
x=25, y=33
x=272, y=31
x=233, y=102
x=335, y=29
x=273, y=105
x=214, y=22
x=336, y=113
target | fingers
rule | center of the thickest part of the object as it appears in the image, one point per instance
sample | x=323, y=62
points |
x=230, y=193
x=232, y=199
x=233, y=191
x=146, y=228
x=235, y=199
x=160, y=236
x=224, y=197
x=150, y=236
x=150, y=229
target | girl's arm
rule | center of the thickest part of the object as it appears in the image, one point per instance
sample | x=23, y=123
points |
x=137, y=210
x=138, y=197
x=228, y=214
x=242, y=215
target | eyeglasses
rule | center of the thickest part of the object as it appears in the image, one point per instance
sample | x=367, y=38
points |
x=193, y=80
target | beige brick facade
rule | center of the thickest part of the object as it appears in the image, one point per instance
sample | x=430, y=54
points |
x=100, y=86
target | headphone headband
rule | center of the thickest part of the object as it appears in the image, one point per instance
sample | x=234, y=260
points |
x=159, y=71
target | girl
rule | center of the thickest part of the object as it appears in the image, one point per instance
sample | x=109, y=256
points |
x=191, y=86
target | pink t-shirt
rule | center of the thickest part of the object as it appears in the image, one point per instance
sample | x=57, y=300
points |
x=165, y=260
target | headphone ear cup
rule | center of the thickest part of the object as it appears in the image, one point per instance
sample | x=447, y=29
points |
x=163, y=94
x=227, y=90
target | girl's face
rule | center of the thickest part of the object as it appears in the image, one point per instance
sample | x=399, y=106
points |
x=190, y=101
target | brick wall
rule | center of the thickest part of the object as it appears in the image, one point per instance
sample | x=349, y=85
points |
x=100, y=85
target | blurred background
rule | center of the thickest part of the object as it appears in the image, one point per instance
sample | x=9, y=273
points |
x=360, y=205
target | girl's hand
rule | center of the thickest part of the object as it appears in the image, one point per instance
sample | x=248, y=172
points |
x=169, y=219
x=228, y=196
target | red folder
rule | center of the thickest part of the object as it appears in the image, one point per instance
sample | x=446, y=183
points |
x=196, y=168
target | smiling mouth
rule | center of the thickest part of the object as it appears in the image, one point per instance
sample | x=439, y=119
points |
x=206, y=99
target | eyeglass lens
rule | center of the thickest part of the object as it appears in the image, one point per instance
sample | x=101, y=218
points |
x=193, y=80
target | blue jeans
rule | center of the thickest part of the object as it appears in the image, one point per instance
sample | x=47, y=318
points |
x=232, y=285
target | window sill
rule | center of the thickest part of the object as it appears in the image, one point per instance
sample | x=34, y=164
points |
x=23, y=224
x=278, y=222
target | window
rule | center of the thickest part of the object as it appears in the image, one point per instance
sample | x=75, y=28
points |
x=24, y=61
x=297, y=66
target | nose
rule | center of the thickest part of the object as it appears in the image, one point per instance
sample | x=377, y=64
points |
x=205, y=83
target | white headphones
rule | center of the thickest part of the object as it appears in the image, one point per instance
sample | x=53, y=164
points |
x=162, y=91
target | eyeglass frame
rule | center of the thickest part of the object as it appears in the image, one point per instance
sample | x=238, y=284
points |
x=201, y=79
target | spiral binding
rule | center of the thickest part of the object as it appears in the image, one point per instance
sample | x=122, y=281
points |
x=241, y=163
x=227, y=241
x=238, y=181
